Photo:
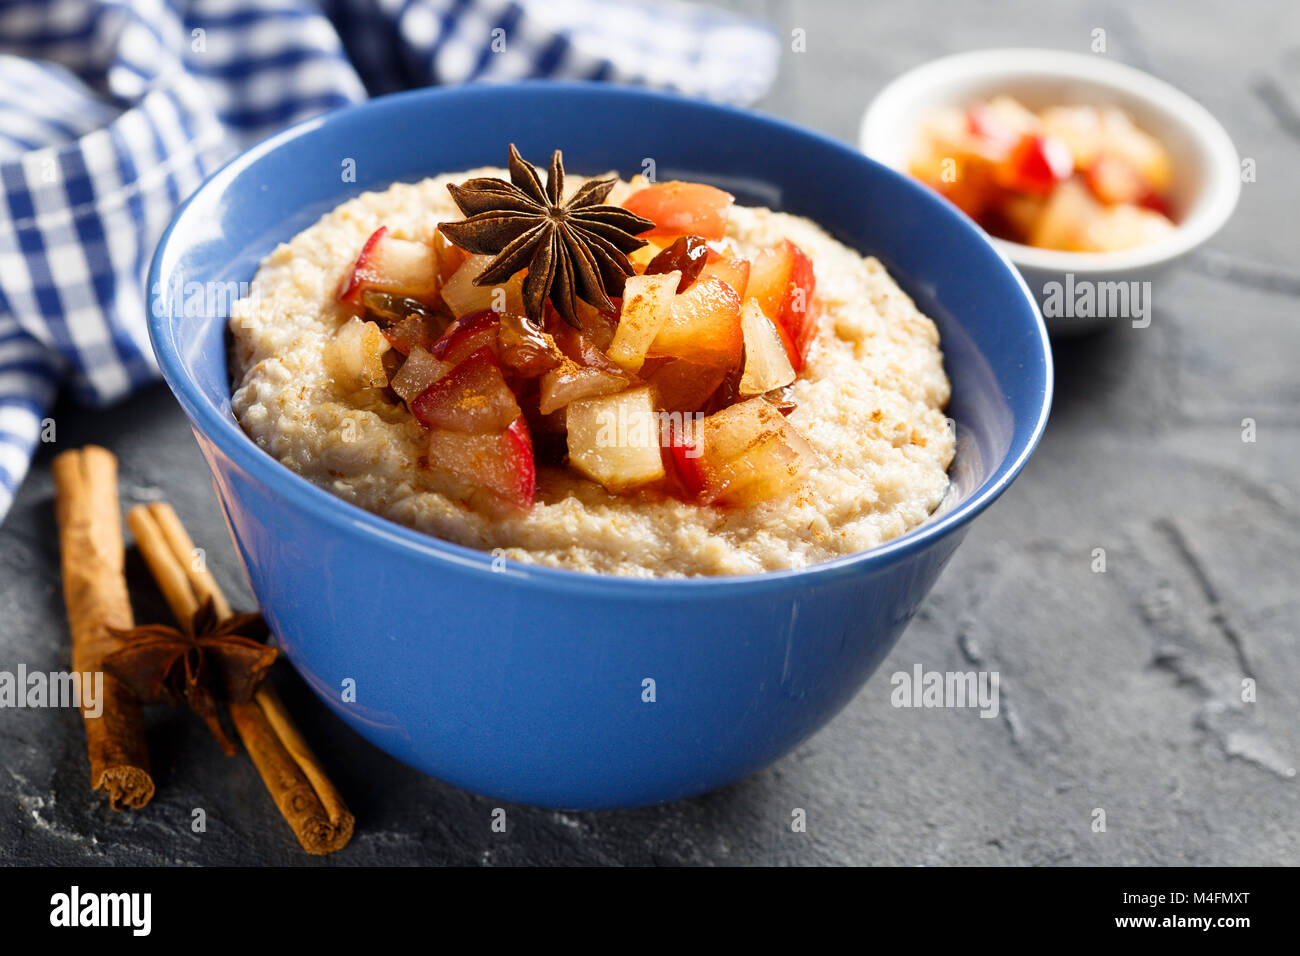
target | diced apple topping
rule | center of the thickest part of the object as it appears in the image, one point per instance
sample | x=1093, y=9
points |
x=683, y=386
x=418, y=372
x=680, y=388
x=767, y=365
x=466, y=336
x=703, y=327
x=419, y=329
x=615, y=439
x=732, y=270
x=571, y=382
x=355, y=355
x=782, y=281
x=748, y=453
x=472, y=398
x=647, y=304
x=499, y=463
x=397, y=266
x=464, y=298
x=682, y=209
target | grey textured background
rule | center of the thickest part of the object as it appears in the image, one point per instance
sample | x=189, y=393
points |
x=1120, y=690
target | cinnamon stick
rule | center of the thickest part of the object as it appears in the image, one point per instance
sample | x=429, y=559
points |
x=306, y=798
x=94, y=590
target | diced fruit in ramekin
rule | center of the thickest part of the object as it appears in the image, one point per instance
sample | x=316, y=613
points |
x=571, y=382
x=463, y=297
x=499, y=463
x=1079, y=127
x=767, y=364
x=1035, y=165
x=615, y=439
x=647, y=304
x=1113, y=180
x=387, y=264
x=418, y=372
x=1012, y=190
x=682, y=209
x=1000, y=123
x=1138, y=148
x=1122, y=227
x=703, y=326
x=1069, y=207
x=782, y=281
x=355, y=355
x=749, y=453
x=472, y=398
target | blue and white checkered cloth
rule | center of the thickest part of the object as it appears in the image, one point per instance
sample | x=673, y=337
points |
x=112, y=111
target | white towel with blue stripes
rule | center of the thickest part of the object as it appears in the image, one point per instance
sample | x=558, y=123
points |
x=112, y=111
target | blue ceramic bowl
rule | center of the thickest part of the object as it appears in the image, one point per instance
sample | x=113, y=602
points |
x=530, y=684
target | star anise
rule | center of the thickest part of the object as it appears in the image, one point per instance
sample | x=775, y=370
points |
x=572, y=250
x=209, y=660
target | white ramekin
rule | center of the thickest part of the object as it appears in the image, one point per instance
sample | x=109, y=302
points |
x=1207, y=172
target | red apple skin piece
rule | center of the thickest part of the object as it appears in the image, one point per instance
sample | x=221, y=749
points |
x=682, y=209
x=1036, y=164
x=466, y=336
x=380, y=258
x=783, y=282
x=686, y=462
x=704, y=327
x=355, y=283
x=982, y=121
x=500, y=464
x=472, y=398
x=1158, y=203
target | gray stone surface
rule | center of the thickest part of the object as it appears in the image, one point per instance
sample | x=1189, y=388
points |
x=1120, y=690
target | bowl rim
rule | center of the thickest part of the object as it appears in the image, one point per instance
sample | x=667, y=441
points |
x=1222, y=180
x=226, y=434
